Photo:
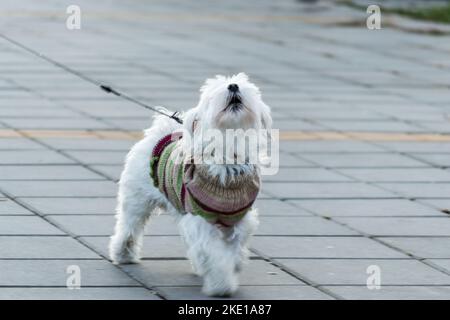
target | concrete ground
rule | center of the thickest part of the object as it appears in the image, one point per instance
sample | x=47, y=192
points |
x=364, y=178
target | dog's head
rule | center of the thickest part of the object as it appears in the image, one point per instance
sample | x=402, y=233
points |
x=229, y=103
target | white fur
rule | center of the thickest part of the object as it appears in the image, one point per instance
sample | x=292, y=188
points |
x=216, y=253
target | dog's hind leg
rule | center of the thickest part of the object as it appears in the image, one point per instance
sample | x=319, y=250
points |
x=133, y=211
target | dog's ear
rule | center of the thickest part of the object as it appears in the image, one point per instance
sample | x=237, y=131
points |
x=190, y=119
x=212, y=83
x=266, y=118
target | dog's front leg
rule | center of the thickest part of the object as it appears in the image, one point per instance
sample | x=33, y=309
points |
x=211, y=255
x=242, y=233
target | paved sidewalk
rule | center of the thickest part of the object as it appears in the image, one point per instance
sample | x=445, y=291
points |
x=365, y=152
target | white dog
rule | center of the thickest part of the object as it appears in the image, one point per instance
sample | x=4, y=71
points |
x=216, y=241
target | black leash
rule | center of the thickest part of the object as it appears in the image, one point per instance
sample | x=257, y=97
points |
x=104, y=87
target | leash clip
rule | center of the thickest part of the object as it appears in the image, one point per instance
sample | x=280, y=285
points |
x=176, y=118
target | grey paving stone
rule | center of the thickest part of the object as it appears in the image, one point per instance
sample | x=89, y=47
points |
x=9, y=207
x=18, y=144
x=288, y=160
x=43, y=247
x=332, y=146
x=59, y=188
x=171, y=273
x=41, y=273
x=26, y=225
x=398, y=175
x=47, y=173
x=352, y=160
x=110, y=293
x=130, y=124
x=419, y=190
x=273, y=207
x=32, y=157
x=354, y=272
x=249, y=293
x=27, y=103
x=440, y=204
x=109, y=110
x=300, y=226
x=111, y=171
x=101, y=225
x=423, y=247
x=324, y=190
x=370, y=126
x=48, y=123
x=442, y=263
x=305, y=175
x=153, y=247
x=441, y=159
x=400, y=226
x=322, y=247
x=79, y=206
x=89, y=144
x=392, y=292
x=441, y=127
x=99, y=157
x=36, y=95
x=42, y=111
x=412, y=146
x=366, y=207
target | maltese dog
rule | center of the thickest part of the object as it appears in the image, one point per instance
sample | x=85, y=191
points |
x=209, y=186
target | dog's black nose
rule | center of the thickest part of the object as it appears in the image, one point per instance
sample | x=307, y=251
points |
x=233, y=87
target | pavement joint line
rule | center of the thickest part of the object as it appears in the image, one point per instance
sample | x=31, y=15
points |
x=295, y=274
x=378, y=240
x=426, y=204
x=76, y=111
x=286, y=63
x=375, y=184
x=386, y=285
x=66, y=155
x=53, y=180
x=185, y=17
x=82, y=241
x=380, y=52
x=71, y=234
x=33, y=235
x=346, y=258
x=62, y=197
x=50, y=259
x=130, y=286
x=120, y=134
x=85, y=286
x=325, y=43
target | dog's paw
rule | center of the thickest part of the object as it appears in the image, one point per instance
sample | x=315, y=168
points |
x=220, y=287
x=196, y=270
x=123, y=250
x=123, y=256
x=125, y=260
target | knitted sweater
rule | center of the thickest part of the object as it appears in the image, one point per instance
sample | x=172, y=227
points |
x=190, y=188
